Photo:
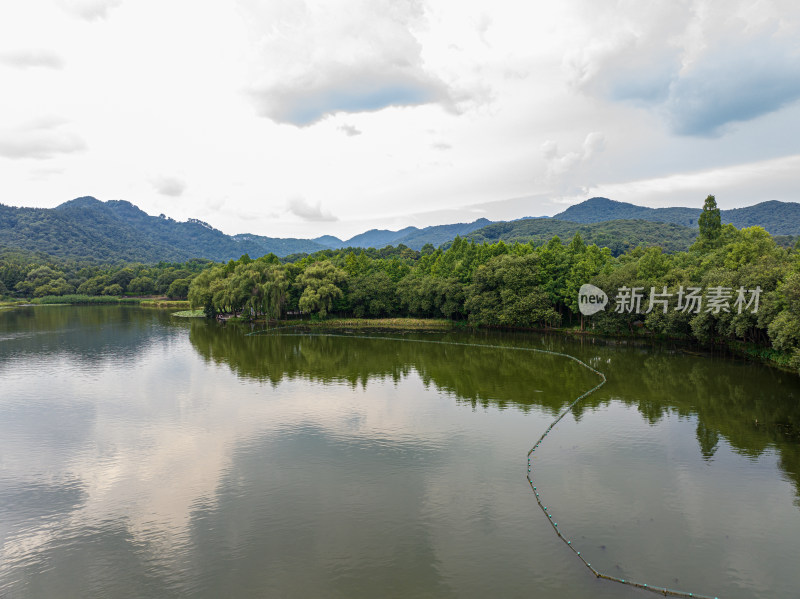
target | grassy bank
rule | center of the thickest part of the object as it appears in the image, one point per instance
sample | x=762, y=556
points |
x=77, y=299
x=8, y=303
x=399, y=324
x=164, y=303
x=84, y=299
x=189, y=314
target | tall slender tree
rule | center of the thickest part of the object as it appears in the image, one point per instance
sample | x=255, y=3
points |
x=710, y=221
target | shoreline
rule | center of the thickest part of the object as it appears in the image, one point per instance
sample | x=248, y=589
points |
x=747, y=351
x=96, y=300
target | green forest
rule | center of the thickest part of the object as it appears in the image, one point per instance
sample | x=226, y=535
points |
x=38, y=276
x=494, y=284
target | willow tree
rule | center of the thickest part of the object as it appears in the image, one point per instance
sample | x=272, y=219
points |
x=263, y=287
x=322, y=284
x=201, y=290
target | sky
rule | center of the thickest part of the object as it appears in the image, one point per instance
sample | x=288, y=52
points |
x=298, y=119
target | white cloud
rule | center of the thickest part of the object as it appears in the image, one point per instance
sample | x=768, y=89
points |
x=676, y=88
x=91, y=10
x=350, y=130
x=41, y=139
x=735, y=81
x=595, y=142
x=733, y=185
x=702, y=66
x=561, y=164
x=23, y=59
x=318, y=59
x=169, y=186
x=309, y=212
x=40, y=174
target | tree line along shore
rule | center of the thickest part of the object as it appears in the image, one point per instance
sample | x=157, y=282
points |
x=519, y=285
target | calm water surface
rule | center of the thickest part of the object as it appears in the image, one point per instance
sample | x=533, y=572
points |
x=148, y=456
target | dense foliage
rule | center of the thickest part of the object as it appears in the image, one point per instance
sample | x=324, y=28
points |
x=28, y=275
x=617, y=235
x=756, y=282
x=779, y=218
x=757, y=285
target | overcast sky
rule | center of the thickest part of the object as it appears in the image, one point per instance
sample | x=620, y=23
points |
x=291, y=118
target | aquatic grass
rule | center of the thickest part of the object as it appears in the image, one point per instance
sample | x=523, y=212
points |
x=377, y=323
x=164, y=303
x=189, y=314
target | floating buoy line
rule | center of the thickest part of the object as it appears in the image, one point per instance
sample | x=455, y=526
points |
x=667, y=592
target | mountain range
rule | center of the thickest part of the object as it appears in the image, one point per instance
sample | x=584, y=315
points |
x=412, y=237
x=779, y=218
x=117, y=230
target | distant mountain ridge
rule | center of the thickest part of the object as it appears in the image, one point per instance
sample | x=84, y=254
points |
x=412, y=237
x=779, y=218
x=117, y=230
x=618, y=235
x=152, y=237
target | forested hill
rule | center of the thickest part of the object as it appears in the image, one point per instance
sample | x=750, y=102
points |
x=778, y=218
x=617, y=235
x=86, y=228
x=412, y=237
x=118, y=230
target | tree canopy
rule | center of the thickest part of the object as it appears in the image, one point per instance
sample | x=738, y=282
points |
x=745, y=286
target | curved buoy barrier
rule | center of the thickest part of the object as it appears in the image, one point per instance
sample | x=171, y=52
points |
x=545, y=510
x=647, y=587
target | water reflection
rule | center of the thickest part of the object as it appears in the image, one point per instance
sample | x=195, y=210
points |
x=480, y=375
x=88, y=333
x=753, y=408
x=144, y=456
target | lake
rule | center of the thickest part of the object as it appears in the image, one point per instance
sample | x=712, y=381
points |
x=143, y=455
